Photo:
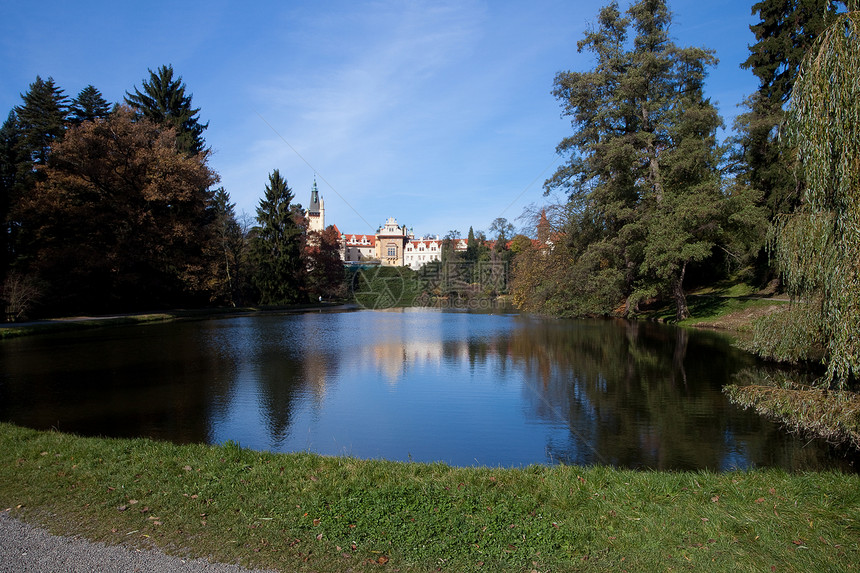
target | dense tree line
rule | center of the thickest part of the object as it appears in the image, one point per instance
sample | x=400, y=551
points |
x=655, y=203
x=112, y=207
x=648, y=200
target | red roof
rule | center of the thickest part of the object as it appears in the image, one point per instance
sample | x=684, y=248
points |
x=354, y=240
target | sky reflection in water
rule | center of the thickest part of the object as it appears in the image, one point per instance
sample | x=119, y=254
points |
x=407, y=384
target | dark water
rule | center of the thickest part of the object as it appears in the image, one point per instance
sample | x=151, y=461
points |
x=413, y=384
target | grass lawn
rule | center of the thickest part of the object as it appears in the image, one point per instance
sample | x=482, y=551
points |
x=303, y=512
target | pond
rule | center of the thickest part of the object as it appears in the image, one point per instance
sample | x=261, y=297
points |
x=408, y=384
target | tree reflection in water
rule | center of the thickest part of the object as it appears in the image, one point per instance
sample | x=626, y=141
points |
x=409, y=384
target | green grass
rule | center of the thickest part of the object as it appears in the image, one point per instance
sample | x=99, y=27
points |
x=833, y=415
x=714, y=303
x=42, y=327
x=11, y=330
x=303, y=512
x=705, y=308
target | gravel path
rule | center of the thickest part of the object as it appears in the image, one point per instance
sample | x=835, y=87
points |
x=34, y=550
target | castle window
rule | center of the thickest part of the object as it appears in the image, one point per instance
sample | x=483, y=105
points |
x=392, y=250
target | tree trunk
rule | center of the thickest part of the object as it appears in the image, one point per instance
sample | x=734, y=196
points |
x=653, y=161
x=681, y=310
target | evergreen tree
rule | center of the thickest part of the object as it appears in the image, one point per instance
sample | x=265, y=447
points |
x=41, y=119
x=817, y=247
x=277, y=245
x=471, y=253
x=684, y=223
x=228, y=274
x=785, y=32
x=9, y=161
x=642, y=175
x=163, y=101
x=89, y=105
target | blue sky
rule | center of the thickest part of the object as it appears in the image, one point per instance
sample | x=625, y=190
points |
x=437, y=113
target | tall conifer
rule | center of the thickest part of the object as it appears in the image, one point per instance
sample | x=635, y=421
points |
x=784, y=33
x=163, y=100
x=41, y=119
x=88, y=105
x=277, y=245
x=642, y=174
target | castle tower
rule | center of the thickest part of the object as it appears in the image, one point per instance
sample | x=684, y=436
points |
x=316, y=210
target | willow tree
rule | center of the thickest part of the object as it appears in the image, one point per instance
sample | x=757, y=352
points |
x=817, y=248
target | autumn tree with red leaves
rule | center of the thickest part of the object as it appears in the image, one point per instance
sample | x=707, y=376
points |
x=121, y=221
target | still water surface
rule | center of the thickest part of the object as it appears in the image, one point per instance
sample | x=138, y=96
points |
x=408, y=384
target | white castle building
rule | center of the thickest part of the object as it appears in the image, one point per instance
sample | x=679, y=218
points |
x=391, y=245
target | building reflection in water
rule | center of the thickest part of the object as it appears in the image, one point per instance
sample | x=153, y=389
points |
x=407, y=384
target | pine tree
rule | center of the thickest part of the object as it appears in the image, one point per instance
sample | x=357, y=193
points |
x=89, y=105
x=277, y=245
x=684, y=223
x=163, y=100
x=9, y=161
x=40, y=122
x=784, y=34
x=642, y=175
x=471, y=253
x=41, y=119
x=228, y=274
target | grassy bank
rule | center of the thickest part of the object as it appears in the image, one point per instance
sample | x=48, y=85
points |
x=13, y=330
x=302, y=512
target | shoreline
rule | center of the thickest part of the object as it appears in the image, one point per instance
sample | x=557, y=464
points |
x=305, y=512
x=73, y=323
